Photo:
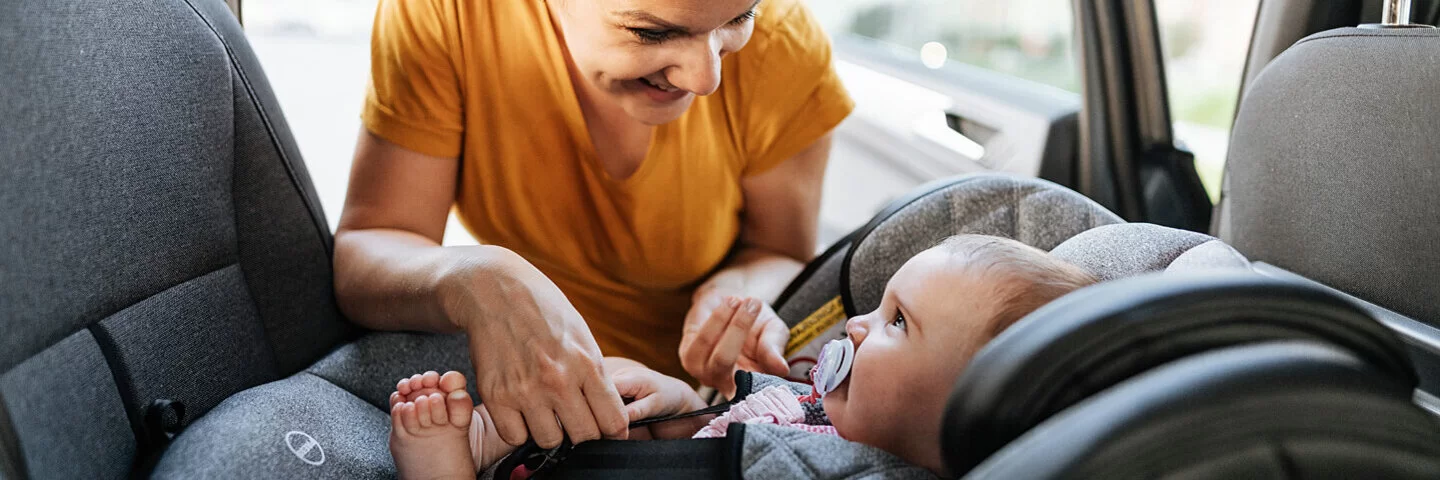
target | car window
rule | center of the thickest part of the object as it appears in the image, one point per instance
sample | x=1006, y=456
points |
x=1030, y=39
x=1205, y=46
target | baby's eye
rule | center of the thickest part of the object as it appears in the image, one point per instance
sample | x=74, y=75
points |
x=899, y=320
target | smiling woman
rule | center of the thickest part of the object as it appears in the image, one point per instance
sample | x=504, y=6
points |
x=628, y=165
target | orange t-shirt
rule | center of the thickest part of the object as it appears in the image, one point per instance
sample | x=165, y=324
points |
x=486, y=81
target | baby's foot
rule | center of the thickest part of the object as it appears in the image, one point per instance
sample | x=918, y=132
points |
x=429, y=432
x=421, y=384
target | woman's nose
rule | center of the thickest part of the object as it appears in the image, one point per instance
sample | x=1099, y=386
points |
x=855, y=328
x=699, y=72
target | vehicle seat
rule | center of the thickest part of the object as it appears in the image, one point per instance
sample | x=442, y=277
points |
x=165, y=266
x=1332, y=171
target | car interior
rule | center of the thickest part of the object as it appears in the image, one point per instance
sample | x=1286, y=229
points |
x=167, y=303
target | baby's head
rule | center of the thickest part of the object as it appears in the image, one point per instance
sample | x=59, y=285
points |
x=939, y=309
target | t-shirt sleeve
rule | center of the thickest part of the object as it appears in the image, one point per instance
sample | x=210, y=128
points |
x=414, y=96
x=791, y=93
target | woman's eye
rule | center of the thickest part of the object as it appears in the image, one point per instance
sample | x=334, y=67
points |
x=745, y=17
x=899, y=320
x=650, y=36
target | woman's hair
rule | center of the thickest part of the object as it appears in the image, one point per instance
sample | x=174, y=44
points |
x=1026, y=277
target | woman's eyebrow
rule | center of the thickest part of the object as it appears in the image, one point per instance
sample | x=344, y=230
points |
x=647, y=17
x=644, y=16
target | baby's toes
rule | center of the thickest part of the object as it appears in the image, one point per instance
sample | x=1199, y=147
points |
x=422, y=411
x=395, y=397
x=439, y=415
x=459, y=406
x=406, y=412
x=429, y=379
x=452, y=381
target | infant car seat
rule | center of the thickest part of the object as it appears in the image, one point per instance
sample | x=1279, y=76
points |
x=1197, y=297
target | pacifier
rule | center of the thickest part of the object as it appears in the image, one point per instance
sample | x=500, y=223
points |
x=833, y=366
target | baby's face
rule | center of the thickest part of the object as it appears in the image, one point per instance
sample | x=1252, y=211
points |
x=935, y=314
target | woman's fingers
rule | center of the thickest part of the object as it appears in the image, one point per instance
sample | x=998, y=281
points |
x=644, y=408
x=769, y=351
x=509, y=423
x=607, y=409
x=701, y=345
x=578, y=422
x=543, y=427
x=732, y=340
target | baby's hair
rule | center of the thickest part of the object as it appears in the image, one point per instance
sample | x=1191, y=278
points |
x=1027, y=277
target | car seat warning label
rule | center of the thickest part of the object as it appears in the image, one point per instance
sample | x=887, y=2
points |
x=809, y=336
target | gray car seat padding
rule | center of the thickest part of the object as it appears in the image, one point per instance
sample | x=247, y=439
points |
x=815, y=285
x=1036, y=212
x=1096, y=337
x=340, y=404
x=1270, y=410
x=1128, y=249
x=1332, y=167
x=158, y=227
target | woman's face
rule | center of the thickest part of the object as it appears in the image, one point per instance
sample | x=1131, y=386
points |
x=651, y=57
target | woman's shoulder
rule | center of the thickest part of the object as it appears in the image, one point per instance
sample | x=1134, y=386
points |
x=787, y=32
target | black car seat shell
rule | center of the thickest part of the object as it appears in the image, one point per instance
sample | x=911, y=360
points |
x=1097, y=337
x=1285, y=409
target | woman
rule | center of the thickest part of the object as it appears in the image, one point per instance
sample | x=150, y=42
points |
x=626, y=166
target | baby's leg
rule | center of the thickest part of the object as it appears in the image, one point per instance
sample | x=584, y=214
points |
x=484, y=441
x=429, y=433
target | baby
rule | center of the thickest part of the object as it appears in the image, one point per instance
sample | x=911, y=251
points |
x=938, y=310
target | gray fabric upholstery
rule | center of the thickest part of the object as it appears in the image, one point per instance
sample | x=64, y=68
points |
x=814, y=291
x=1123, y=250
x=195, y=343
x=1208, y=255
x=773, y=451
x=66, y=412
x=1033, y=211
x=1332, y=168
x=250, y=436
x=370, y=367
x=151, y=194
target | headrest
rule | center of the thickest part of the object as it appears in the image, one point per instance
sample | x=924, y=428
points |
x=1128, y=249
x=1036, y=212
x=1098, y=336
x=1331, y=170
x=1269, y=410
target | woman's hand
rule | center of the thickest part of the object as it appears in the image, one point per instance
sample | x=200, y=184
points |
x=724, y=333
x=535, y=359
x=652, y=394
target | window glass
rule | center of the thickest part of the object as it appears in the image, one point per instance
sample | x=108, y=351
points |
x=1205, y=45
x=1030, y=39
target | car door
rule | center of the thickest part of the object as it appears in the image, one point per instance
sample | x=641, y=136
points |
x=945, y=88
x=1072, y=91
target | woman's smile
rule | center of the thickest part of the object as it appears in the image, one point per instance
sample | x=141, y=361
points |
x=658, y=91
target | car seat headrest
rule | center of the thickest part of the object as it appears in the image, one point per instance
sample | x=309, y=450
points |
x=1127, y=249
x=1036, y=212
x=1331, y=166
x=1101, y=335
x=1270, y=410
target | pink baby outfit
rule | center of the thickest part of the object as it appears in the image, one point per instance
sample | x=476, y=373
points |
x=775, y=405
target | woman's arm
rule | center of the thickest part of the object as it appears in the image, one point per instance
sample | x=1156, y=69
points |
x=778, y=235
x=534, y=357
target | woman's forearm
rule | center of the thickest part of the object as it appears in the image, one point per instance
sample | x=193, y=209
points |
x=389, y=279
x=752, y=272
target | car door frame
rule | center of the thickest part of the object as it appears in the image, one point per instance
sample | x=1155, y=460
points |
x=1128, y=160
